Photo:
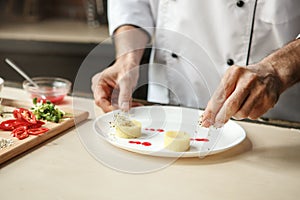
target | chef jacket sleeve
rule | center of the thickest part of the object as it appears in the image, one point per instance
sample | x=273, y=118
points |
x=298, y=37
x=130, y=12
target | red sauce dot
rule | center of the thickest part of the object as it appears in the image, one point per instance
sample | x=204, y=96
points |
x=146, y=129
x=134, y=142
x=201, y=139
x=146, y=144
x=152, y=129
x=160, y=130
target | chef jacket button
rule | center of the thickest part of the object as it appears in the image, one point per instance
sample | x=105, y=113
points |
x=230, y=62
x=240, y=3
x=174, y=55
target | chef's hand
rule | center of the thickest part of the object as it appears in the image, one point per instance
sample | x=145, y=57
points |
x=114, y=86
x=243, y=93
x=249, y=92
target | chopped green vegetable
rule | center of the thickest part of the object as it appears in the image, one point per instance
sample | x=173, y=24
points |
x=47, y=111
x=35, y=101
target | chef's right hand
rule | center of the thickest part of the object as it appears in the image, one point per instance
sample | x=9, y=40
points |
x=113, y=87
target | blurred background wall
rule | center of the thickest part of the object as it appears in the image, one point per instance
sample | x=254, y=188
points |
x=53, y=37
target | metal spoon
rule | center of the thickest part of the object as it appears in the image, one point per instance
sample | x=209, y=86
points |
x=15, y=67
x=22, y=73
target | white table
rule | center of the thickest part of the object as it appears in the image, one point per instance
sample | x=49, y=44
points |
x=265, y=166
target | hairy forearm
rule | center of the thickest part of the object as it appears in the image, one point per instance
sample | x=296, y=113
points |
x=130, y=43
x=286, y=64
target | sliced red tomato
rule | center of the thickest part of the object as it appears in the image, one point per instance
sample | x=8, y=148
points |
x=25, y=115
x=37, y=131
x=20, y=132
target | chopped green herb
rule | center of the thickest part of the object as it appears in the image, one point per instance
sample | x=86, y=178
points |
x=47, y=111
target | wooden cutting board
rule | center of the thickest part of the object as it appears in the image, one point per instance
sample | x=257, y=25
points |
x=20, y=146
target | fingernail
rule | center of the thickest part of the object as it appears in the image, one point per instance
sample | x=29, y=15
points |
x=218, y=124
x=125, y=106
x=205, y=123
x=238, y=118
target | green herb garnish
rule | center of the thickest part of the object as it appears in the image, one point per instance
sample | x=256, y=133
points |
x=47, y=111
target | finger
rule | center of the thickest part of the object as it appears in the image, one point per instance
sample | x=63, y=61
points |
x=126, y=85
x=213, y=106
x=246, y=107
x=258, y=109
x=207, y=118
x=231, y=105
x=270, y=94
x=125, y=94
x=102, y=94
x=224, y=90
x=263, y=97
x=267, y=101
x=105, y=105
x=255, y=95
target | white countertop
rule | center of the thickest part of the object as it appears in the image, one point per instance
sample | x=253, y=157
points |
x=265, y=166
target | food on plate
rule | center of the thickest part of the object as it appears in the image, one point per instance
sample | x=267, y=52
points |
x=24, y=124
x=177, y=141
x=126, y=128
x=47, y=111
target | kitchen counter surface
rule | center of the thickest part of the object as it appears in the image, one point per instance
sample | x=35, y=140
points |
x=79, y=165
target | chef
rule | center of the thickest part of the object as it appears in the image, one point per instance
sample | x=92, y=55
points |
x=234, y=57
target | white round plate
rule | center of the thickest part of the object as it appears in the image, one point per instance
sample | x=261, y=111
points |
x=158, y=119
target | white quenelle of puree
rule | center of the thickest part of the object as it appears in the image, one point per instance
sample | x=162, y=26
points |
x=126, y=128
x=177, y=141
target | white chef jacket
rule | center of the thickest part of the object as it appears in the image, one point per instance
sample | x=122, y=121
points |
x=195, y=41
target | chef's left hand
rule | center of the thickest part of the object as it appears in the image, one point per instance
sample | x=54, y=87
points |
x=249, y=92
x=244, y=92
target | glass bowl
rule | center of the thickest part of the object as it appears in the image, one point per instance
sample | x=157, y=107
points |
x=50, y=88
